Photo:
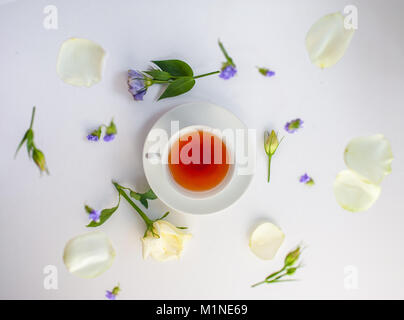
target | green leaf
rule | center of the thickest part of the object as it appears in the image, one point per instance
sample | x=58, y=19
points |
x=178, y=87
x=158, y=75
x=22, y=141
x=143, y=197
x=150, y=195
x=135, y=195
x=144, y=202
x=105, y=215
x=88, y=209
x=176, y=68
x=163, y=216
x=111, y=129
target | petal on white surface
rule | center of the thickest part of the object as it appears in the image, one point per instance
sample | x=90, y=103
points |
x=327, y=40
x=80, y=62
x=89, y=255
x=354, y=193
x=265, y=240
x=168, y=246
x=370, y=157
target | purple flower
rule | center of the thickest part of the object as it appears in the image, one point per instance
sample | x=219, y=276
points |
x=92, y=137
x=109, y=295
x=293, y=125
x=266, y=72
x=136, y=84
x=270, y=73
x=95, y=215
x=228, y=72
x=109, y=137
x=306, y=179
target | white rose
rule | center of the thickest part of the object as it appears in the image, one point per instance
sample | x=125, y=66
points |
x=166, y=244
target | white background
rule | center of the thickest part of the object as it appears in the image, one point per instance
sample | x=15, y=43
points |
x=363, y=94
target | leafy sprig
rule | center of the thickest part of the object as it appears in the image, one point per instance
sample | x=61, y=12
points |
x=228, y=69
x=289, y=268
x=33, y=152
x=176, y=74
x=142, y=197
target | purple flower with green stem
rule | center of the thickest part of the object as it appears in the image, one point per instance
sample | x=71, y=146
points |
x=294, y=125
x=110, y=132
x=266, y=72
x=94, y=215
x=177, y=76
x=228, y=69
x=111, y=294
x=306, y=179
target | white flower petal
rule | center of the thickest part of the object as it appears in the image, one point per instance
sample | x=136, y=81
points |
x=80, y=62
x=169, y=245
x=354, y=193
x=370, y=157
x=89, y=255
x=327, y=40
x=266, y=240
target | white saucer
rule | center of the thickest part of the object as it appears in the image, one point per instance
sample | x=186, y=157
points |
x=191, y=114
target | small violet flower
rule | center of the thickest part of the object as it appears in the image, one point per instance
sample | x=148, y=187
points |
x=111, y=295
x=228, y=69
x=94, y=215
x=306, y=180
x=109, y=137
x=228, y=72
x=266, y=72
x=110, y=132
x=92, y=137
x=293, y=125
x=137, y=84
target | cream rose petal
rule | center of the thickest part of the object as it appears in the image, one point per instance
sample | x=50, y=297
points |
x=80, y=62
x=89, y=255
x=327, y=40
x=370, y=157
x=169, y=245
x=354, y=193
x=265, y=240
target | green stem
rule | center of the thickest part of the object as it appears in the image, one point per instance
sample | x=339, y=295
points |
x=271, y=276
x=32, y=117
x=162, y=81
x=277, y=278
x=258, y=284
x=206, y=74
x=269, y=167
x=141, y=213
x=229, y=60
x=179, y=77
x=275, y=273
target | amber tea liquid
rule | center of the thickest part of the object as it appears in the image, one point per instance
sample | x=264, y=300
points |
x=198, y=161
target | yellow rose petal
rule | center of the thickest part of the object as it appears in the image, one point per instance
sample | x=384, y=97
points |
x=354, y=193
x=89, y=255
x=80, y=62
x=265, y=240
x=370, y=157
x=327, y=40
